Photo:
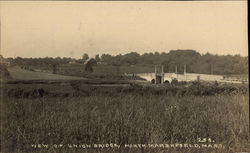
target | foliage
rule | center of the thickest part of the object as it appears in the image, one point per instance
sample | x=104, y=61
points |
x=122, y=115
x=194, y=61
x=93, y=87
x=97, y=58
x=85, y=57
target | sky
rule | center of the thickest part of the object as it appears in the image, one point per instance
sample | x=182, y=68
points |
x=71, y=28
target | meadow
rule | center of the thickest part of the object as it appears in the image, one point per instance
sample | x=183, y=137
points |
x=77, y=113
x=99, y=70
x=21, y=74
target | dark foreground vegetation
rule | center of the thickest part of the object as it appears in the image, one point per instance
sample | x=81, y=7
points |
x=76, y=113
x=85, y=88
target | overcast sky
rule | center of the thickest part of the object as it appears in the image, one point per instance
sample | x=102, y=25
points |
x=71, y=28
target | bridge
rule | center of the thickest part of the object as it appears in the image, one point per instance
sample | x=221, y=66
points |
x=189, y=77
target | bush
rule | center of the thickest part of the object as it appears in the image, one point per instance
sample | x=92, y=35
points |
x=174, y=82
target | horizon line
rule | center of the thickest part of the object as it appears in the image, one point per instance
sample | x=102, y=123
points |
x=166, y=52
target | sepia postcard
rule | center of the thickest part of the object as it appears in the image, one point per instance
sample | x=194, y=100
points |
x=124, y=77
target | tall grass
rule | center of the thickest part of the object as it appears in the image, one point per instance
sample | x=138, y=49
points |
x=125, y=118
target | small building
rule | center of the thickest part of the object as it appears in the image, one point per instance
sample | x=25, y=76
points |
x=89, y=63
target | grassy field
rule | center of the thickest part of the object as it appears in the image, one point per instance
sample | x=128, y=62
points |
x=107, y=71
x=69, y=73
x=124, y=115
x=21, y=74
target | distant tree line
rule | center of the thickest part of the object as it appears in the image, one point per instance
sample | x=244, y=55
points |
x=194, y=61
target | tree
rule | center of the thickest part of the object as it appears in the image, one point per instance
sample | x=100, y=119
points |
x=130, y=58
x=106, y=58
x=85, y=57
x=97, y=58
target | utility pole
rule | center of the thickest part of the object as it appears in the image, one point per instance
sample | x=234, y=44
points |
x=185, y=72
x=155, y=74
x=211, y=69
x=162, y=74
x=184, y=69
